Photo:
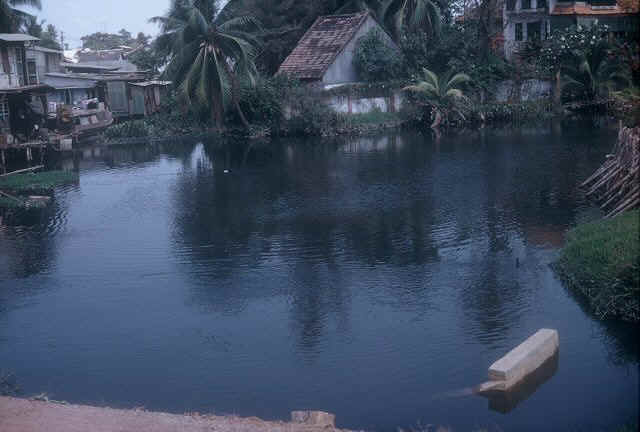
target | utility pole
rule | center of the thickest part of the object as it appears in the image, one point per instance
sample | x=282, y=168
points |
x=62, y=39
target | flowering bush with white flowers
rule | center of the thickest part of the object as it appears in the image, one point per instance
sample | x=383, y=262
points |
x=564, y=46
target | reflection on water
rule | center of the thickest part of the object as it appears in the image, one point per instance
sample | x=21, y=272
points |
x=359, y=276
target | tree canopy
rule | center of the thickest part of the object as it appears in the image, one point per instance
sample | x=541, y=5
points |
x=13, y=19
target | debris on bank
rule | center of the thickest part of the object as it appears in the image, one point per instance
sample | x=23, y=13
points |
x=616, y=184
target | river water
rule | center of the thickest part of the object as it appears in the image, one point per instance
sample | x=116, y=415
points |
x=375, y=278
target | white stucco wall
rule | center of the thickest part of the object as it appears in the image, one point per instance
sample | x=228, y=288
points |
x=342, y=69
x=529, y=90
x=362, y=105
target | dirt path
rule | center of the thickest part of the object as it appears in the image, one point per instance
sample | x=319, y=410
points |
x=23, y=415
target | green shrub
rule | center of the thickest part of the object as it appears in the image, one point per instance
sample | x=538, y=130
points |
x=128, y=129
x=263, y=103
x=310, y=116
x=601, y=260
x=375, y=60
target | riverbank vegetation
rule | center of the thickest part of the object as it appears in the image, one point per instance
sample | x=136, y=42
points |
x=601, y=261
x=223, y=62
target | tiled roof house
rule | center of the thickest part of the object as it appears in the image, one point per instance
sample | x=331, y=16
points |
x=325, y=52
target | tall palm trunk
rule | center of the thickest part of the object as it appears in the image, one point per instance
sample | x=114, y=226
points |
x=234, y=95
x=216, y=115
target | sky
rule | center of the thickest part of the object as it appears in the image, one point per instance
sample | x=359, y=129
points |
x=77, y=18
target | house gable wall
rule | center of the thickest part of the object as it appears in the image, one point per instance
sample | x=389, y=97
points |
x=342, y=69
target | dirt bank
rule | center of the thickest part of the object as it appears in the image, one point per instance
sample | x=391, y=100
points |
x=24, y=415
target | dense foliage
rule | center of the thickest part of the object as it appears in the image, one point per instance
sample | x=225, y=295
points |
x=106, y=41
x=47, y=33
x=375, y=60
x=457, y=48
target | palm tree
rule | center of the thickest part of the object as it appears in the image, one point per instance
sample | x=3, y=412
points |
x=208, y=55
x=11, y=18
x=593, y=75
x=442, y=94
x=400, y=15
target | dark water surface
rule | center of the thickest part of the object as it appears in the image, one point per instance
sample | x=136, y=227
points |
x=375, y=278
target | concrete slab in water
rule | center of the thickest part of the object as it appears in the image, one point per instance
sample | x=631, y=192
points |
x=523, y=359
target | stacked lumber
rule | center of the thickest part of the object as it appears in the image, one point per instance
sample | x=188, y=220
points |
x=615, y=185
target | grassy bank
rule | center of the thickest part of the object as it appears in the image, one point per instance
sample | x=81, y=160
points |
x=601, y=262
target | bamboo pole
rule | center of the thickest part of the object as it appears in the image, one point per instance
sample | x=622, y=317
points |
x=35, y=168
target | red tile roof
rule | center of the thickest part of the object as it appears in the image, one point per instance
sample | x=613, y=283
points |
x=584, y=9
x=321, y=44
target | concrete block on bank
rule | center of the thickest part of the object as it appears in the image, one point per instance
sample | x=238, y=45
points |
x=314, y=418
x=523, y=360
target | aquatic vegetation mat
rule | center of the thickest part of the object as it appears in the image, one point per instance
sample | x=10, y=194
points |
x=34, y=182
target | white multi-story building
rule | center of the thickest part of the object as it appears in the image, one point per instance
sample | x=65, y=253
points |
x=533, y=20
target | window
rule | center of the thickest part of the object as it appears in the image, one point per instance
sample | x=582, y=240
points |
x=526, y=4
x=4, y=109
x=542, y=4
x=518, y=31
x=547, y=29
x=32, y=73
x=511, y=5
x=20, y=66
x=533, y=31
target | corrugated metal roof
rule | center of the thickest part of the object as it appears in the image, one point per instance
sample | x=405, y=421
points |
x=113, y=76
x=46, y=50
x=60, y=82
x=320, y=46
x=151, y=83
x=25, y=89
x=17, y=37
x=90, y=67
